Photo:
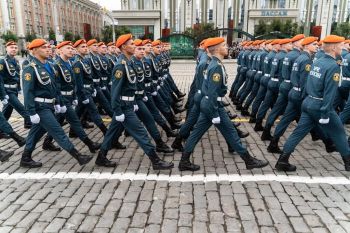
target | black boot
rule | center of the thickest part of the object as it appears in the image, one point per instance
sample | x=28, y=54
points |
x=5, y=155
x=27, y=124
x=103, y=161
x=126, y=133
x=82, y=159
x=28, y=162
x=242, y=134
x=266, y=135
x=251, y=162
x=314, y=136
x=185, y=163
x=252, y=119
x=4, y=135
x=346, y=161
x=159, y=164
x=86, y=125
x=169, y=132
x=93, y=146
x=258, y=125
x=239, y=105
x=117, y=145
x=230, y=149
x=245, y=111
x=330, y=147
x=236, y=124
x=103, y=129
x=177, y=144
x=273, y=147
x=174, y=125
x=48, y=144
x=20, y=141
x=231, y=116
x=162, y=147
x=177, y=119
x=72, y=134
x=283, y=163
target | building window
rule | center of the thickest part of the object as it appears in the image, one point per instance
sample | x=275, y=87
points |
x=134, y=4
x=148, y=4
x=281, y=3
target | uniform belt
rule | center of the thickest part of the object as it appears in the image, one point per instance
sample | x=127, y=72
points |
x=267, y=75
x=10, y=86
x=199, y=91
x=287, y=81
x=346, y=78
x=87, y=86
x=128, y=98
x=96, y=80
x=66, y=92
x=104, y=78
x=139, y=92
x=254, y=70
x=275, y=79
x=297, y=88
x=259, y=72
x=316, y=98
x=217, y=99
x=148, y=84
x=44, y=100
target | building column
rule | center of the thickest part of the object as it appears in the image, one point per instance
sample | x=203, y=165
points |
x=5, y=16
x=325, y=12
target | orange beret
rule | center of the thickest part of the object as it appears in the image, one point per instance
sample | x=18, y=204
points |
x=256, y=42
x=91, y=42
x=276, y=41
x=298, y=37
x=268, y=41
x=110, y=44
x=320, y=42
x=347, y=41
x=100, y=44
x=11, y=43
x=79, y=42
x=122, y=39
x=63, y=43
x=333, y=39
x=156, y=42
x=284, y=41
x=202, y=42
x=138, y=42
x=309, y=40
x=36, y=43
x=147, y=41
x=213, y=41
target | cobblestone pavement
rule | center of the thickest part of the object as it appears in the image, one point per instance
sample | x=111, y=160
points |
x=222, y=197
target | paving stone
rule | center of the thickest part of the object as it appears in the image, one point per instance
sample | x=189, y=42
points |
x=55, y=225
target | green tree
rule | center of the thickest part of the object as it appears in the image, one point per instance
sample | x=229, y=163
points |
x=343, y=29
x=9, y=36
x=261, y=28
x=77, y=37
x=68, y=36
x=275, y=26
x=52, y=34
x=30, y=36
x=120, y=30
x=107, y=33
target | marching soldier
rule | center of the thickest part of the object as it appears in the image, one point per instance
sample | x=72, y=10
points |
x=124, y=107
x=317, y=108
x=40, y=96
x=212, y=110
x=105, y=71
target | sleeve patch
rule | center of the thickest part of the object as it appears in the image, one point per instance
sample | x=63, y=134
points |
x=308, y=67
x=118, y=74
x=27, y=77
x=76, y=70
x=336, y=77
x=216, y=77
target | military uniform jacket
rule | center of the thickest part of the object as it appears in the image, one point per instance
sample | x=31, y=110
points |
x=322, y=84
x=95, y=69
x=39, y=81
x=320, y=53
x=82, y=75
x=156, y=69
x=345, y=72
x=260, y=58
x=214, y=87
x=300, y=71
x=146, y=64
x=276, y=69
x=124, y=83
x=105, y=70
x=267, y=62
x=65, y=81
x=140, y=74
x=9, y=76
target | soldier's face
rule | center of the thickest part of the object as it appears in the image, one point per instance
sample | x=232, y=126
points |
x=312, y=47
x=12, y=50
x=156, y=49
x=129, y=47
x=337, y=48
x=223, y=49
x=346, y=46
x=67, y=51
x=148, y=48
x=103, y=49
x=139, y=52
x=83, y=49
x=94, y=48
x=42, y=52
x=111, y=49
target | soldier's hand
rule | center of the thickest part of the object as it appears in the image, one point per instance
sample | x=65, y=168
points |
x=7, y=97
x=154, y=93
x=86, y=101
x=75, y=103
x=324, y=121
x=63, y=109
x=216, y=120
x=158, y=87
x=57, y=109
x=20, y=92
x=4, y=101
x=145, y=99
x=35, y=119
x=120, y=118
x=94, y=93
x=136, y=107
x=104, y=88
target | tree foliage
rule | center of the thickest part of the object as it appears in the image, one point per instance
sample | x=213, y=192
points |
x=30, y=36
x=342, y=29
x=107, y=32
x=68, y=36
x=284, y=27
x=52, y=35
x=9, y=36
